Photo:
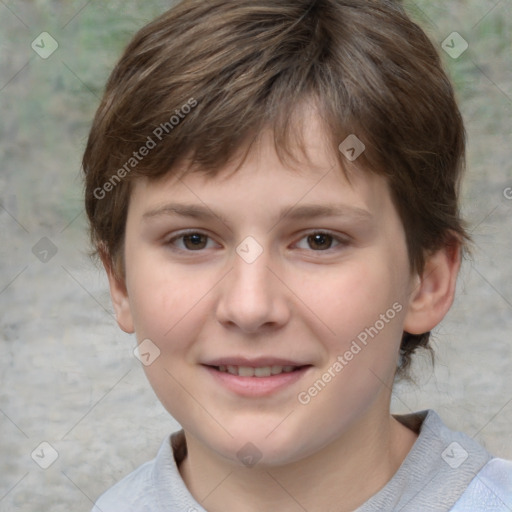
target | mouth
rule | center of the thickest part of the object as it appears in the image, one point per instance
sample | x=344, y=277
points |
x=256, y=380
x=258, y=371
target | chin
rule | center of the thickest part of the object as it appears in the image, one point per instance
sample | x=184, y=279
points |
x=263, y=447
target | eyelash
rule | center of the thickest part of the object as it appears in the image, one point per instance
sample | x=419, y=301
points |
x=340, y=241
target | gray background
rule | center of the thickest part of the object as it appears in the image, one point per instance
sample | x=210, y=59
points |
x=68, y=374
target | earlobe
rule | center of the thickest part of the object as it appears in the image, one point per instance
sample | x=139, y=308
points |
x=119, y=296
x=434, y=290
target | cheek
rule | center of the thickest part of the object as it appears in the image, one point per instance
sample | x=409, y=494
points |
x=154, y=305
x=154, y=293
x=353, y=297
x=169, y=307
x=169, y=304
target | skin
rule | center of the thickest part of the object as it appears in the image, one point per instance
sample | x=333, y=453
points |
x=299, y=300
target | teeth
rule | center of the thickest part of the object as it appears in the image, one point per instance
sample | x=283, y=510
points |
x=265, y=371
x=245, y=371
x=249, y=371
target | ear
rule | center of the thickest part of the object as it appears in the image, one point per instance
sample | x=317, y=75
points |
x=119, y=295
x=434, y=289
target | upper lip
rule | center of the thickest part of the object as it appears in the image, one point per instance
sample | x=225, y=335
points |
x=256, y=362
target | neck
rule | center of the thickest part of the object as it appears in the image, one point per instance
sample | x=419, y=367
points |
x=344, y=474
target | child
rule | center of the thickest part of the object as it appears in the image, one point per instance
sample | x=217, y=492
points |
x=272, y=187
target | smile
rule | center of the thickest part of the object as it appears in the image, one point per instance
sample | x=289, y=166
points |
x=256, y=381
x=261, y=371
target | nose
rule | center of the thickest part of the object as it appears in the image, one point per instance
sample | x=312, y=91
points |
x=252, y=298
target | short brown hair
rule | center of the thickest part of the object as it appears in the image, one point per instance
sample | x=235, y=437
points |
x=242, y=66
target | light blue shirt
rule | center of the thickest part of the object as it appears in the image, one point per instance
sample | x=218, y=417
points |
x=445, y=471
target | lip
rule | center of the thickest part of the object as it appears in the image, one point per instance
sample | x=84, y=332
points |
x=256, y=386
x=254, y=362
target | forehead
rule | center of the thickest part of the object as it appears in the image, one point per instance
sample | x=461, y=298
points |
x=259, y=179
x=264, y=189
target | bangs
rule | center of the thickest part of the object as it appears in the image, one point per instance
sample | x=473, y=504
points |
x=205, y=80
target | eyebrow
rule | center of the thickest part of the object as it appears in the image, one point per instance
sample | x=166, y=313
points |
x=306, y=211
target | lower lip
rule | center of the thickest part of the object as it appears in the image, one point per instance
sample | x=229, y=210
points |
x=256, y=386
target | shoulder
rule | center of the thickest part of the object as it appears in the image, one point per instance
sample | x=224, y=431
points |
x=156, y=486
x=132, y=493
x=445, y=470
x=490, y=490
x=140, y=491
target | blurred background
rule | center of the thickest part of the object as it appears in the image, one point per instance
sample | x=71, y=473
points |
x=68, y=376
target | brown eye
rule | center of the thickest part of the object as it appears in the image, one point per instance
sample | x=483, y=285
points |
x=195, y=241
x=320, y=241
x=190, y=241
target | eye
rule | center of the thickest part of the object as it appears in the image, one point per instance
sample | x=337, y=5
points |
x=321, y=241
x=191, y=241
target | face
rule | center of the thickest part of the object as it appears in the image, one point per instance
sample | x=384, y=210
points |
x=276, y=296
